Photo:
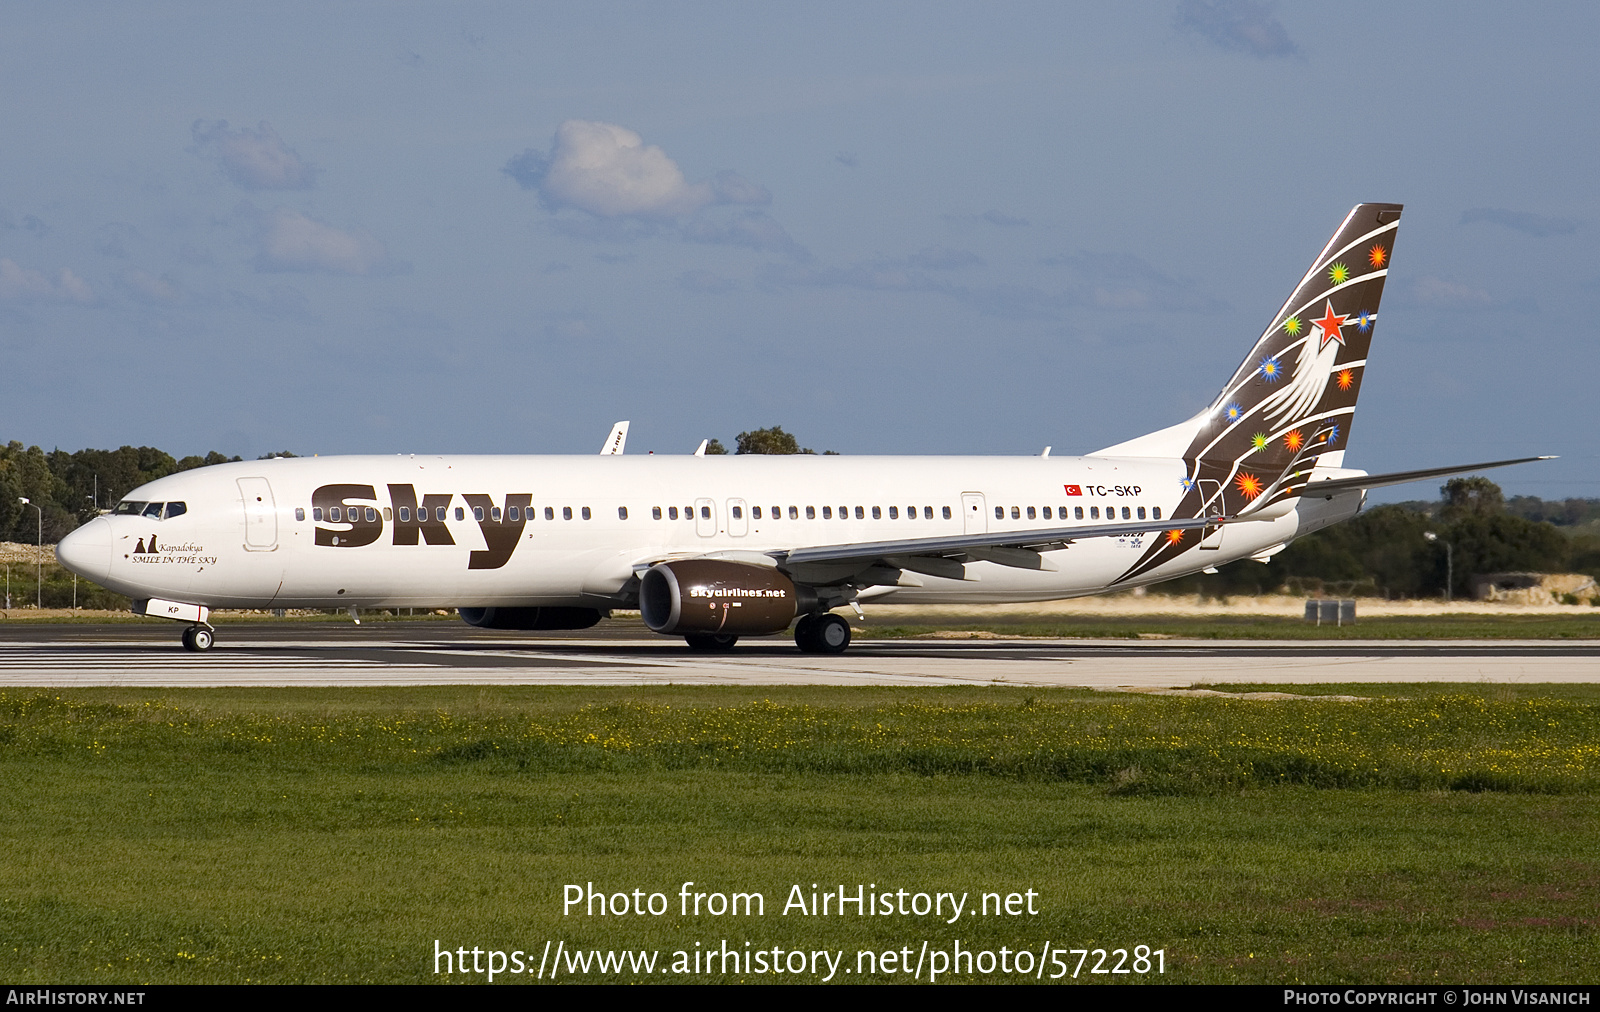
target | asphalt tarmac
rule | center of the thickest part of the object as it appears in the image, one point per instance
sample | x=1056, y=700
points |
x=445, y=653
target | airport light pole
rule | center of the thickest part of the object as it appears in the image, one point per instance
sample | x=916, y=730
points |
x=38, y=560
x=1449, y=564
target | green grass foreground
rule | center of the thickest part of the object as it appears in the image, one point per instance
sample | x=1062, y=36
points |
x=330, y=835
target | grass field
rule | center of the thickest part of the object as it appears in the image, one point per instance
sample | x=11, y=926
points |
x=230, y=835
x=1574, y=625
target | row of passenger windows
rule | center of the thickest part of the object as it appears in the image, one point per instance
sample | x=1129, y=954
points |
x=1077, y=512
x=358, y=514
x=777, y=512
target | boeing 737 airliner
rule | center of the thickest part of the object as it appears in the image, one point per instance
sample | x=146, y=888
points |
x=714, y=547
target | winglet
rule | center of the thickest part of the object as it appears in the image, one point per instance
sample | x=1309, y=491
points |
x=616, y=441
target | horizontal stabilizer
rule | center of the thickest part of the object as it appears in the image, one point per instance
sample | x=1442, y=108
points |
x=1333, y=485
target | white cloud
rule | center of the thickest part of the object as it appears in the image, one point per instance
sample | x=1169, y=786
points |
x=254, y=159
x=609, y=171
x=290, y=241
x=23, y=284
x=1432, y=291
x=146, y=287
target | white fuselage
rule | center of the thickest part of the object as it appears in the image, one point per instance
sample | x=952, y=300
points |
x=586, y=525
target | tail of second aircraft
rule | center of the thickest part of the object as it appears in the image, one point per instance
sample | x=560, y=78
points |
x=1290, y=403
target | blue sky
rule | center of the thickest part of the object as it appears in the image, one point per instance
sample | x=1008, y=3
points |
x=889, y=228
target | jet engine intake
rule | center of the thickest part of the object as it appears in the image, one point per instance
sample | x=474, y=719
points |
x=529, y=619
x=714, y=596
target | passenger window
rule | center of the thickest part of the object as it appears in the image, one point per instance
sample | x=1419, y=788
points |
x=1016, y=514
x=1156, y=512
x=811, y=512
x=1030, y=514
x=622, y=512
x=335, y=515
x=316, y=513
x=1077, y=513
x=566, y=512
x=461, y=514
x=515, y=513
x=1094, y=513
x=672, y=512
x=438, y=514
x=877, y=512
x=388, y=514
x=477, y=513
x=372, y=515
x=755, y=512
x=947, y=513
x=405, y=514
x=299, y=513
x=777, y=512
x=738, y=513
x=1141, y=512
x=549, y=512
x=827, y=512
x=655, y=513
x=705, y=513
x=1127, y=514
x=794, y=513
x=894, y=512
x=586, y=512
x=1047, y=513
x=494, y=513
x=999, y=512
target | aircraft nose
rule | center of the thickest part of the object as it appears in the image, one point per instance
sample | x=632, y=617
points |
x=87, y=550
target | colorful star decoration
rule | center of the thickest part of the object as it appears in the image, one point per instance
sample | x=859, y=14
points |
x=1377, y=256
x=1364, y=321
x=1174, y=537
x=1248, y=483
x=1338, y=274
x=1346, y=379
x=1186, y=483
x=1333, y=434
x=1259, y=441
x=1291, y=326
x=1293, y=440
x=1234, y=413
x=1271, y=369
x=1329, y=325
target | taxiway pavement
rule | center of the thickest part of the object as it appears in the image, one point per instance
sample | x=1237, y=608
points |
x=435, y=654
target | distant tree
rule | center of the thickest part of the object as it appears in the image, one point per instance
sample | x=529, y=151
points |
x=279, y=453
x=773, y=441
x=714, y=448
x=1474, y=496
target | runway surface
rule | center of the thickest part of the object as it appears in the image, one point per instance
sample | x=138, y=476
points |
x=439, y=654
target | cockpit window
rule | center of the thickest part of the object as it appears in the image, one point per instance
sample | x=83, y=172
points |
x=175, y=509
x=129, y=508
x=153, y=510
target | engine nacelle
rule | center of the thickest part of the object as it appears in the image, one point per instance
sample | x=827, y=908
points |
x=529, y=619
x=713, y=596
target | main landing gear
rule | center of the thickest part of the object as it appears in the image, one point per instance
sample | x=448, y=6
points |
x=198, y=638
x=822, y=634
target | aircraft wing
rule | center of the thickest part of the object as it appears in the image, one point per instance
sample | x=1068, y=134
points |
x=1019, y=549
x=1332, y=485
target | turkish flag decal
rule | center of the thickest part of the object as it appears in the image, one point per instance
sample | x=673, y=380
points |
x=1073, y=489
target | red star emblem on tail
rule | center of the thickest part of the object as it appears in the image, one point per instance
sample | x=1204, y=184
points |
x=1329, y=325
